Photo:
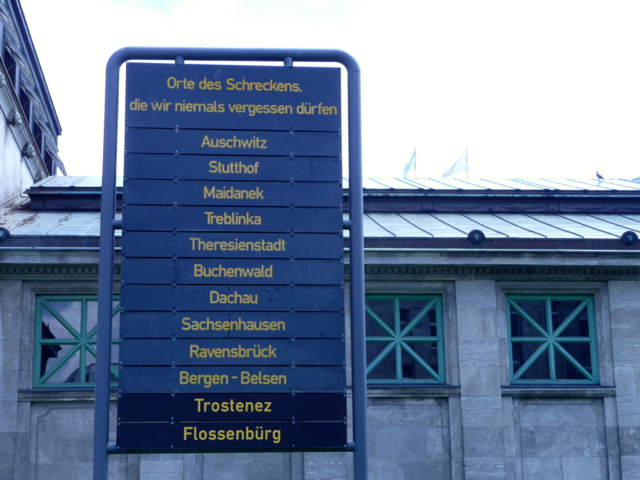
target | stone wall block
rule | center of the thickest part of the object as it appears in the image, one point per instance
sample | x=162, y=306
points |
x=10, y=354
x=630, y=467
x=386, y=468
x=625, y=381
x=246, y=466
x=628, y=411
x=483, y=441
x=23, y=447
x=431, y=469
x=563, y=442
x=625, y=351
x=485, y=468
x=8, y=385
x=476, y=322
x=613, y=441
x=10, y=321
x=55, y=449
x=542, y=468
x=25, y=471
x=623, y=291
x=397, y=442
x=7, y=471
x=624, y=320
x=161, y=467
x=629, y=441
x=574, y=468
x=133, y=467
x=457, y=468
x=479, y=353
x=427, y=412
x=319, y=466
x=476, y=294
x=482, y=411
x=561, y=414
x=58, y=419
x=9, y=416
x=480, y=381
x=8, y=447
x=11, y=295
x=67, y=471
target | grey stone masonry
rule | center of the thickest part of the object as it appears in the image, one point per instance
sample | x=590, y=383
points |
x=625, y=332
x=483, y=428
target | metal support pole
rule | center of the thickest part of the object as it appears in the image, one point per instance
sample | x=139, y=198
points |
x=356, y=263
x=105, y=276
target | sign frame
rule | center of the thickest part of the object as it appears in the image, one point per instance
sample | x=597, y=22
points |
x=109, y=223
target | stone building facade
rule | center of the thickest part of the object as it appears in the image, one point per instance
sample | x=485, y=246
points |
x=474, y=404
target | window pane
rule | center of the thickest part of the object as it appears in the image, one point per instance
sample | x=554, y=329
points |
x=536, y=309
x=68, y=373
x=521, y=327
x=385, y=311
x=115, y=322
x=427, y=352
x=426, y=327
x=579, y=326
x=90, y=376
x=386, y=370
x=70, y=311
x=565, y=370
x=523, y=352
x=581, y=353
x=52, y=329
x=92, y=316
x=560, y=310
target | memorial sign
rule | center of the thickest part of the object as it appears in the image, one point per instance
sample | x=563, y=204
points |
x=232, y=324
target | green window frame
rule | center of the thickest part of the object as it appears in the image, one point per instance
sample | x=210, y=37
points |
x=405, y=343
x=65, y=343
x=552, y=340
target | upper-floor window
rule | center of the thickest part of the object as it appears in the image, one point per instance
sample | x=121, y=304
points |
x=404, y=339
x=66, y=334
x=552, y=339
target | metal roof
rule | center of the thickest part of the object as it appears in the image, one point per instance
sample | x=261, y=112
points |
x=514, y=226
x=416, y=184
x=405, y=225
x=504, y=184
x=413, y=221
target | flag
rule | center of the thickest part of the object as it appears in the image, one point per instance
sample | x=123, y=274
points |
x=410, y=166
x=461, y=165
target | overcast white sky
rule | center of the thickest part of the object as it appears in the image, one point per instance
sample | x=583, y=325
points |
x=533, y=89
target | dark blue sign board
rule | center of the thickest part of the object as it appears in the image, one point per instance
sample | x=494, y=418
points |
x=233, y=167
x=256, y=325
x=207, y=351
x=231, y=219
x=233, y=298
x=232, y=379
x=229, y=97
x=232, y=257
x=229, y=245
x=229, y=193
x=211, y=407
x=157, y=271
x=212, y=436
x=233, y=142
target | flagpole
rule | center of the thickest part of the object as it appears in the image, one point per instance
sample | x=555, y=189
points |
x=415, y=159
x=466, y=152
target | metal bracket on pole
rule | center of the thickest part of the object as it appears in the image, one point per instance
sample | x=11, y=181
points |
x=102, y=447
